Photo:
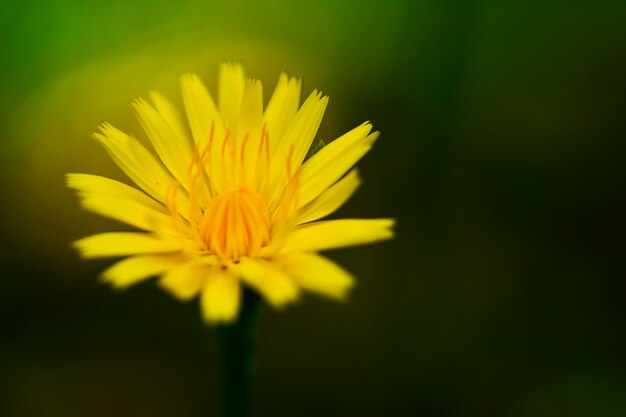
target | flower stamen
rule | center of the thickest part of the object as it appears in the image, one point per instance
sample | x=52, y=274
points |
x=236, y=223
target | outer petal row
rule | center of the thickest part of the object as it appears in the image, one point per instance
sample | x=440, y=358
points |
x=230, y=92
x=135, y=160
x=135, y=269
x=335, y=159
x=221, y=296
x=111, y=244
x=292, y=148
x=332, y=234
x=174, y=151
x=273, y=283
x=331, y=199
x=220, y=291
x=318, y=274
x=282, y=108
x=121, y=202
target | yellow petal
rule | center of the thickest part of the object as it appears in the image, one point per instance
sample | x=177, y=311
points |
x=282, y=108
x=205, y=122
x=230, y=92
x=331, y=199
x=221, y=297
x=249, y=129
x=121, y=202
x=332, y=234
x=136, y=162
x=275, y=286
x=175, y=152
x=316, y=273
x=88, y=184
x=251, y=112
x=135, y=269
x=125, y=243
x=185, y=281
x=172, y=116
x=335, y=159
x=292, y=149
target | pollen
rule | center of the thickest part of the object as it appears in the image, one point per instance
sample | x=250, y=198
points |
x=236, y=223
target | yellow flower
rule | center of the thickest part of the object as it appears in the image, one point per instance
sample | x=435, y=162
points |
x=230, y=202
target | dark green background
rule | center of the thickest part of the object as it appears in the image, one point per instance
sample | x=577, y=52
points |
x=503, y=141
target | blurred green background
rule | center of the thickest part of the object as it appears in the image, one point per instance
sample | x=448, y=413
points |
x=503, y=139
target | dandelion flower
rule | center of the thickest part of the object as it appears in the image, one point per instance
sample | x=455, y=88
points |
x=230, y=201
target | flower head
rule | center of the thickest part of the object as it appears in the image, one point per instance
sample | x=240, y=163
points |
x=229, y=200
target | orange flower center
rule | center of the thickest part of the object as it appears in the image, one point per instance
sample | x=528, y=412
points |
x=236, y=223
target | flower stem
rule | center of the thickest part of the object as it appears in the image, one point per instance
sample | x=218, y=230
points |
x=237, y=358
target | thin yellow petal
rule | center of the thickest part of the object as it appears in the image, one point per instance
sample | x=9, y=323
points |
x=136, y=162
x=294, y=146
x=249, y=129
x=282, y=108
x=121, y=202
x=201, y=111
x=205, y=122
x=230, y=92
x=335, y=159
x=88, y=184
x=125, y=243
x=185, y=281
x=221, y=297
x=170, y=113
x=332, y=234
x=331, y=199
x=135, y=269
x=174, y=151
x=251, y=112
x=316, y=273
x=275, y=286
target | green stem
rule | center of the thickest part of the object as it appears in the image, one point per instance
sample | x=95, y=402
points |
x=237, y=358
